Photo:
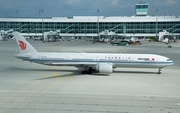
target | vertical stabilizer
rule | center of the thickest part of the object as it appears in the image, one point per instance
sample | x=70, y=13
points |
x=24, y=46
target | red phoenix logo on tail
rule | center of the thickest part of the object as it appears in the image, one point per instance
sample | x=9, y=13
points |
x=22, y=45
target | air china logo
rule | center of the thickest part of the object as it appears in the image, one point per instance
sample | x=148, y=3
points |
x=22, y=45
x=146, y=59
x=153, y=58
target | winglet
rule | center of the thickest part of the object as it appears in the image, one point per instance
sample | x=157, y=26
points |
x=24, y=46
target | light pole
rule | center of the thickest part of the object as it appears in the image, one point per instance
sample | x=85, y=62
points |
x=98, y=23
x=17, y=14
x=41, y=12
x=156, y=23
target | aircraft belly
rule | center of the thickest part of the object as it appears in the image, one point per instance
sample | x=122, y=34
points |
x=77, y=64
x=139, y=65
x=92, y=64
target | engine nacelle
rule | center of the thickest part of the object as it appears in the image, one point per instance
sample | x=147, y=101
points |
x=105, y=68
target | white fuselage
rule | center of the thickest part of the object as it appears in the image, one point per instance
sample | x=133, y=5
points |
x=93, y=59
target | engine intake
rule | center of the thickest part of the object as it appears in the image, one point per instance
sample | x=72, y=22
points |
x=105, y=68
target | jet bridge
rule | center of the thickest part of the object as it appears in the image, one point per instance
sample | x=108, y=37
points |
x=106, y=35
x=5, y=35
x=52, y=36
x=167, y=37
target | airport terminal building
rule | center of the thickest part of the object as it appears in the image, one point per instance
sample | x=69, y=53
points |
x=88, y=25
x=139, y=25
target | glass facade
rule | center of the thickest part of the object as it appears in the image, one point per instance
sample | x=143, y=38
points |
x=141, y=9
x=91, y=27
x=141, y=6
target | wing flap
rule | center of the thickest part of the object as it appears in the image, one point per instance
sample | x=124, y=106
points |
x=83, y=64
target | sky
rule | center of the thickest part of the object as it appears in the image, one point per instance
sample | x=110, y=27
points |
x=70, y=8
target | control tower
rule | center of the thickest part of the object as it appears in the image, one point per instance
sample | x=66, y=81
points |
x=141, y=8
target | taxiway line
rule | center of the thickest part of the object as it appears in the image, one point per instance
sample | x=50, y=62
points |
x=19, y=92
x=37, y=96
x=24, y=96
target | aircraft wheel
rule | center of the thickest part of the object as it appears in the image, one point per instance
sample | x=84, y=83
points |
x=159, y=72
x=83, y=72
x=86, y=72
x=89, y=72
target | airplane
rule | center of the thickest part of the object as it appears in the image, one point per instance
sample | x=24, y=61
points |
x=103, y=63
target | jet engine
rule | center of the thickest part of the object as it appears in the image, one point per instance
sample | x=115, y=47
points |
x=105, y=68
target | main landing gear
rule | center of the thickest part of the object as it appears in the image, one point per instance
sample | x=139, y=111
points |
x=159, y=71
x=88, y=71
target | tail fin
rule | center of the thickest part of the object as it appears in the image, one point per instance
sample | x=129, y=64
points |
x=24, y=46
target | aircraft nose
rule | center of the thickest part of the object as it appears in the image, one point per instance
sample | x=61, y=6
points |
x=170, y=61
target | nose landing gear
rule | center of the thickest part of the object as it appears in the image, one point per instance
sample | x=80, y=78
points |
x=159, y=71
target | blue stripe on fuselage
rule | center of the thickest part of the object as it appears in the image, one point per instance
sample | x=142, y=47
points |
x=97, y=61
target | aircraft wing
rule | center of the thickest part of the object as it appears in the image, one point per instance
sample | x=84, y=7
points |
x=77, y=64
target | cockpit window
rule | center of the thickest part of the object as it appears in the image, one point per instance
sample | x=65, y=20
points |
x=168, y=59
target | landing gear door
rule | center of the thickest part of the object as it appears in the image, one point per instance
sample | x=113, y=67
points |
x=39, y=57
x=68, y=58
x=155, y=59
x=97, y=59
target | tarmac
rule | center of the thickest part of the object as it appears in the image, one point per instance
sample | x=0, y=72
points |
x=33, y=88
